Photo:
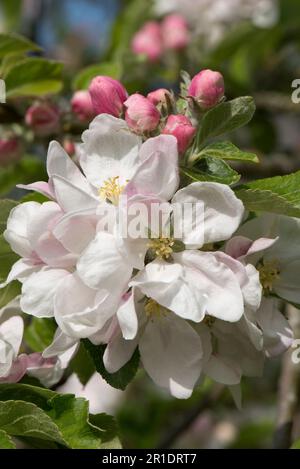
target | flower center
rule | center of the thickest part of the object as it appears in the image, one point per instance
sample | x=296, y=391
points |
x=161, y=247
x=269, y=271
x=154, y=309
x=111, y=190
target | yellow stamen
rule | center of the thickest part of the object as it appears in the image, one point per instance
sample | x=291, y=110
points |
x=269, y=271
x=154, y=309
x=162, y=247
x=111, y=190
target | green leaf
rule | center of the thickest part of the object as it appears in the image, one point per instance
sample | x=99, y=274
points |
x=7, y=258
x=39, y=334
x=83, y=365
x=226, y=151
x=27, y=170
x=61, y=418
x=84, y=77
x=9, y=292
x=34, y=77
x=225, y=118
x=211, y=169
x=280, y=194
x=5, y=441
x=18, y=418
x=14, y=44
x=6, y=206
x=121, y=378
x=296, y=445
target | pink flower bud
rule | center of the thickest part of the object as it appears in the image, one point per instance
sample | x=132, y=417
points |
x=180, y=127
x=82, y=106
x=69, y=146
x=43, y=118
x=141, y=115
x=175, y=32
x=148, y=41
x=108, y=95
x=11, y=150
x=207, y=88
x=159, y=96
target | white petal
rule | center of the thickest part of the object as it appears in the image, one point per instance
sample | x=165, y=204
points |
x=16, y=233
x=224, y=299
x=158, y=174
x=12, y=332
x=72, y=198
x=252, y=290
x=223, y=370
x=109, y=149
x=20, y=271
x=278, y=335
x=169, y=285
x=102, y=265
x=118, y=352
x=81, y=312
x=38, y=292
x=60, y=344
x=127, y=315
x=171, y=353
x=288, y=286
x=223, y=211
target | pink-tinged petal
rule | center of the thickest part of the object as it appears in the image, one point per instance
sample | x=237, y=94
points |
x=42, y=240
x=76, y=230
x=102, y=266
x=223, y=211
x=41, y=187
x=39, y=290
x=17, y=370
x=239, y=247
x=158, y=175
x=72, y=198
x=171, y=353
x=277, y=332
x=236, y=266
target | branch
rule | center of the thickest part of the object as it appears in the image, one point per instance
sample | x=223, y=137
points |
x=288, y=391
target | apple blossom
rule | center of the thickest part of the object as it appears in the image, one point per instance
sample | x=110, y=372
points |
x=107, y=95
x=43, y=118
x=82, y=105
x=175, y=32
x=181, y=127
x=141, y=115
x=11, y=150
x=148, y=41
x=159, y=96
x=207, y=88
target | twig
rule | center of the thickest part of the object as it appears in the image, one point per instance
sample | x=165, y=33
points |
x=190, y=416
x=288, y=391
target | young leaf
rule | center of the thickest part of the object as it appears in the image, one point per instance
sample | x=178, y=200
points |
x=39, y=334
x=226, y=151
x=280, y=194
x=6, y=206
x=14, y=44
x=34, y=77
x=225, y=118
x=121, y=378
x=82, y=365
x=5, y=441
x=211, y=169
x=85, y=76
x=47, y=415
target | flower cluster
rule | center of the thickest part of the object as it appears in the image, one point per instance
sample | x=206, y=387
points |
x=196, y=301
x=211, y=18
x=155, y=38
